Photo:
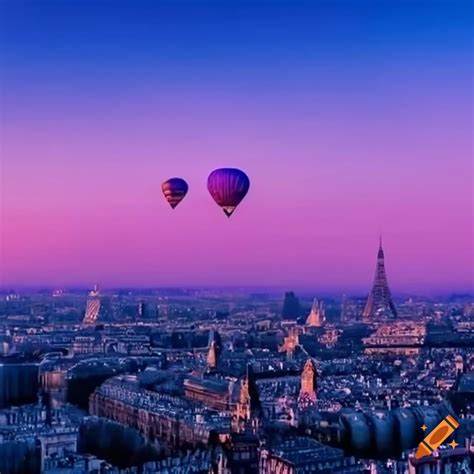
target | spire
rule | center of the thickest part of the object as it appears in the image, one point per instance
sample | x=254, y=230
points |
x=308, y=395
x=380, y=303
x=380, y=253
x=212, y=356
x=316, y=315
x=214, y=349
x=248, y=410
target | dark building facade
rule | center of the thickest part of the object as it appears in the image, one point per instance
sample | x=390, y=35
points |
x=18, y=383
x=291, y=306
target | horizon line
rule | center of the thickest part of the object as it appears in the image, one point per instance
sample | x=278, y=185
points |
x=251, y=288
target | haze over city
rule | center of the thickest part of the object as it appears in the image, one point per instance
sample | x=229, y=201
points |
x=350, y=119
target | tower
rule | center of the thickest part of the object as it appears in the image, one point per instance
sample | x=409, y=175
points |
x=92, y=307
x=308, y=388
x=292, y=340
x=248, y=409
x=380, y=303
x=291, y=306
x=212, y=356
x=316, y=316
x=215, y=349
x=344, y=308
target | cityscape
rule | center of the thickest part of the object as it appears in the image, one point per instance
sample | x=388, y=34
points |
x=209, y=381
x=236, y=237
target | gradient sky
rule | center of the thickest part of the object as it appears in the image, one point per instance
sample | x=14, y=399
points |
x=350, y=117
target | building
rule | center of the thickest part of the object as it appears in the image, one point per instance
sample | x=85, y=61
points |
x=444, y=461
x=242, y=451
x=400, y=337
x=379, y=303
x=19, y=383
x=57, y=442
x=248, y=410
x=92, y=307
x=298, y=455
x=213, y=460
x=291, y=306
x=316, y=316
x=53, y=383
x=215, y=349
x=292, y=340
x=308, y=390
x=86, y=345
x=215, y=393
x=175, y=421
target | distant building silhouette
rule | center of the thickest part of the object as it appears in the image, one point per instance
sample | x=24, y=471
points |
x=291, y=306
x=379, y=303
x=145, y=310
x=344, y=308
x=93, y=306
x=163, y=309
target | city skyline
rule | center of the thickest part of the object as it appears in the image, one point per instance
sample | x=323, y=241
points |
x=92, y=129
x=306, y=289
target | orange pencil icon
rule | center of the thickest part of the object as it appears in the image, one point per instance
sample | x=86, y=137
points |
x=436, y=437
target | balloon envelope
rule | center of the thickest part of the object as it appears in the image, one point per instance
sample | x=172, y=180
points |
x=174, y=190
x=228, y=186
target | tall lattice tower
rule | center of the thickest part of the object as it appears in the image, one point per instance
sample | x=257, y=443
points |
x=379, y=303
x=93, y=306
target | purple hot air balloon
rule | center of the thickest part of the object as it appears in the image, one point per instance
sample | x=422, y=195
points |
x=174, y=190
x=228, y=186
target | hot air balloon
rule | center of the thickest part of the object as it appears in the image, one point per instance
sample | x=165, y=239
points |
x=228, y=186
x=174, y=190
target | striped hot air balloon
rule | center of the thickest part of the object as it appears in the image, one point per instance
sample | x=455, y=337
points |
x=174, y=190
x=228, y=186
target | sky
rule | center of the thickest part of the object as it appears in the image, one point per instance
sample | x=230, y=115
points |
x=351, y=117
